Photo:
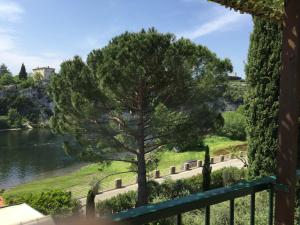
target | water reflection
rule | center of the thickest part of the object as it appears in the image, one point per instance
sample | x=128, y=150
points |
x=30, y=154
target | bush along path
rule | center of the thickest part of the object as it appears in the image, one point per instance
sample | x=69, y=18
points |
x=177, y=176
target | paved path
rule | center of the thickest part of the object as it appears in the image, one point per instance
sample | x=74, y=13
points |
x=181, y=175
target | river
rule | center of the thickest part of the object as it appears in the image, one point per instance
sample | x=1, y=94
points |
x=26, y=155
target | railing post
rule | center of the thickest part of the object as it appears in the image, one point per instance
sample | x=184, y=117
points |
x=271, y=206
x=207, y=215
x=179, y=219
x=231, y=218
x=288, y=114
x=252, y=209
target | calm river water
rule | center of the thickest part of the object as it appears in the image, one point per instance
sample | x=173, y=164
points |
x=31, y=154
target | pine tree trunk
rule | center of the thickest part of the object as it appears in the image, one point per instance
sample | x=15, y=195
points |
x=141, y=162
x=142, y=181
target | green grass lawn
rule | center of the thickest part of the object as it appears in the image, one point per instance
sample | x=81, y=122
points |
x=78, y=181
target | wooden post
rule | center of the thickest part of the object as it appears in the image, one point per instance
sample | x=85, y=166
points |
x=222, y=158
x=172, y=170
x=186, y=167
x=118, y=183
x=156, y=174
x=288, y=114
x=199, y=163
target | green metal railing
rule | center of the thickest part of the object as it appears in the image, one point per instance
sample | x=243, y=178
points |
x=176, y=207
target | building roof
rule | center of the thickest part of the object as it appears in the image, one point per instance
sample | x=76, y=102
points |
x=45, y=67
x=23, y=214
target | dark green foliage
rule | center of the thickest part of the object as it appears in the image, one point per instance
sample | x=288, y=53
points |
x=90, y=204
x=206, y=170
x=235, y=92
x=170, y=189
x=26, y=108
x=142, y=91
x=118, y=203
x=234, y=125
x=4, y=123
x=23, y=105
x=6, y=79
x=53, y=202
x=231, y=175
x=15, y=120
x=23, y=73
x=4, y=105
x=29, y=82
x=261, y=101
x=153, y=189
x=4, y=70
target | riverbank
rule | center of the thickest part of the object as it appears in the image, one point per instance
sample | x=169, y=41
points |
x=79, y=181
x=11, y=129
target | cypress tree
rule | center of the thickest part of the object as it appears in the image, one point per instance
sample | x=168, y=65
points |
x=206, y=170
x=23, y=73
x=262, y=97
x=90, y=204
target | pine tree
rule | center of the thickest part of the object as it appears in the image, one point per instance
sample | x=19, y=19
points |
x=262, y=76
x=141, y=92
x=23, y=73
x=206, y=170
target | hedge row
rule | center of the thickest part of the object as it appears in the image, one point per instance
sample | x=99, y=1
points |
x=171, y=189
x=53, y=202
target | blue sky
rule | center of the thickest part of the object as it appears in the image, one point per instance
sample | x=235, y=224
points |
x=47, y=32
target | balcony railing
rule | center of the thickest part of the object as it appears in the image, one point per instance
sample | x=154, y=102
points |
x=177, y=207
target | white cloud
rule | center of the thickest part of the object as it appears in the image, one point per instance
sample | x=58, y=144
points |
x=13, y=56
x=11, y=53
x=10, y=11
x=220, y=23
x=7, y=39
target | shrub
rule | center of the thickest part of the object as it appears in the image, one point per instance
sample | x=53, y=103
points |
x=4, y=105
x=26, y=108
x=118, y=203
x=153, y=189
x=7, y=79
x=54, y=202
x=171, y=189
x=29, y=82
x=216, y=179
x=234, y=125
x=14, y=118
x=4, y=124
x=232, y=174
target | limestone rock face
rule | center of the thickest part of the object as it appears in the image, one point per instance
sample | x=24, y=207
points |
x=37, y=94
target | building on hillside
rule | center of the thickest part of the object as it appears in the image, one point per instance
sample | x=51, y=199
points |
x=45, y=72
